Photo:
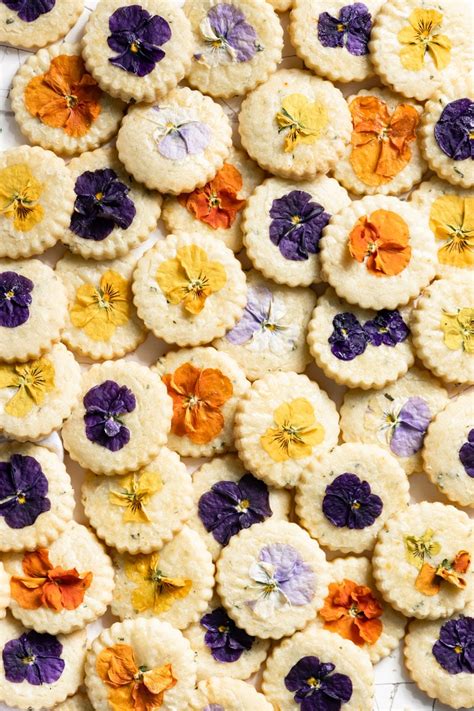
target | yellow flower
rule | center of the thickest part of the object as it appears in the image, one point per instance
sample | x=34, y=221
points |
x=452, y=220
x=417, y=548
x=98, y=310
x=190, y=278
x=458, y=330
x=19, y=195
x=421, y=37
x=305, y=122
x=32, y=380
x=156, y=591
x=136, y=492
x=296, y=433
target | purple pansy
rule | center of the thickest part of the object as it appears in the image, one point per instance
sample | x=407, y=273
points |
x=454, y=650
x=23, y=489
x=297, y=224
x=350, y=30
x=15, y=299
x=33, y=657
x=137, y=36
x=105, y=404
x=226, y=641
x=101, y=205
x=30, y=10
x=227, y=34
x=466, y=454
x=349, y=503
x=454, y=130
x=388, y=328
x=409, y=427
x=348, y=339
x=316, y=687
x=177, y=133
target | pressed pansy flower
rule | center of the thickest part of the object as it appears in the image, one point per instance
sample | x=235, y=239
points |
x=454, y=130
x=66, y=96
x=105, y=404
x=177, y=133
x=304, y=122
x=316, y=687
x=454, y=648
x=348, y=339
x=297, y=431
x=352, y=611
x=418, y=548
x=430, y=577
x=32, y=381
x=381, y=241
x=422, y=36
x=23, y=491
x=452, y=221
x=135, y=493
x=350, y=30
x=155, y=591
x=349, y=502
x=402, y=423
x=387, y=328
x=225, y=640
x=466, y=454
x=19, y=196
x=98, y=310
x=458, y=330
x=15, y=299
x=137, y=37
x=30, y=10
x=216, y=204
x=227, y=35
x=34, y=658
x=297, y=224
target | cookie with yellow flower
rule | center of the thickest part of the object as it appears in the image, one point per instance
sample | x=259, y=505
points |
x=78, y=702
x=295, y=125
x=212, y=693
x=36, y=24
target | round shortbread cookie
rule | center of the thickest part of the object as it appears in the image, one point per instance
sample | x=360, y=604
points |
x=212, y=693
x=272, y=578
x=78, y=702
x=443, y=329
x=282, y=226
x=5, y=591
x=33, y=212
x=421, y=562
x=29, y=25
x=189, y=289
x=295, y=124
x=186, y=139
x=281, y=5
x=122, y=418
x=378, y=253
x=142, y=511
x=283, y=421
x=148, y=645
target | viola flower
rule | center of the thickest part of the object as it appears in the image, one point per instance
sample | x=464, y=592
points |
x=454, y=130
x=33, y=381
x=65, y=96
x=98, y=310
x=387, y=328
x=350, y=30
x=137, y=37
x=402, y=424
x=198, y=395
x=349, y=502
x=352, y=611
x=316, y=687
x=381, y=241
x=348, y=339
x=430, y=577
x=19, y=196
x=105, y=404
x=297, y=431
x=23, y=489
x=216, y=204
x=452, y=220
x=458, y=330
x=304, y=122
x=30, y=10
x=418, y=548
x=33, y=657
x=297, y=224
x=421, y=37
x=177, y=133
x=466, y=454
x=15, y=299
x=454, y=649
x=135, y=493
x=227, y=35
x=225, y=640
x=155, y=591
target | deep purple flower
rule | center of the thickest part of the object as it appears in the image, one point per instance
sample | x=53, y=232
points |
x=350, y=30
x=101, y=205
x=297, y=224
x=226, y=31
x=33, y=657
x=15, y=298
x=136, y=36
x=454, y=130
x=387, y=328
x=105, y=404
x=409, y=427
x=23, y=489
x=348, y=339
x=454, y=649
x=466, y=454
x=348, y=502
x=30, y=10
x=316, y=687
x=226, y=641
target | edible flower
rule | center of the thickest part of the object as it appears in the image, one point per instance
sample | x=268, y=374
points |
x=381, y=241
x=155, y=591
x=137, y=37
x=454, y=648
x=316, y=687
x=454, y=130
x=177, y=133
x=305, y=122
x=387, y=328
x=216, y=204
x=349, y=502
x=19, y=195
x=429, y=578
x=351, y=29
x=33, y=381
x=224, y=639
x=135, y=493
x=23, y=489
x=15, y=299
x=452, y=220
x=105, y=406
x=352, y=611
x=401, y=422
x=418, y=548
x=458, y=330
x=466, y=454
x=98, y=310
x=30, y=10
x=421, y=37
x=348, y=339
x=297, y=225
x=33, y=657
x=227, y=35
x=296, y=433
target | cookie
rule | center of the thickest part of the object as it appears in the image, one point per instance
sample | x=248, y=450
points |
x=282, y=422
x=4, y=591
x=34, y=24
x=281, y=5
x=283, y=223
x=235, y=694
x=78, y=702
x=378, y=253
x=121, y=420
x=189, y=289
x=295, y=125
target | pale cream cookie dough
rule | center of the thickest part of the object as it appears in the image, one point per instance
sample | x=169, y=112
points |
x=282, y=226
x=78, y=702
x=281, y=5
x=212, y=693
x=189, y=289
x=272, y=578
x=282, y=422
x=186, y=138
x=421, y=560
x=295, y=124
x=378, y=253
x=4, y=591
x=35, y=24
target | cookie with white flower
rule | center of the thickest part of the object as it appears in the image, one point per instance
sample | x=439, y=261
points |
x=186, y=138
x=34, y=24
x=212, y=693
x=396, y=417
x=295, y=125
x=378, y=253
x=283, y=223
x=443, y=329
x=78, y=702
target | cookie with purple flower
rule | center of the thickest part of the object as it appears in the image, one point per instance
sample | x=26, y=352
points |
x=31, y=24
x=219, y=693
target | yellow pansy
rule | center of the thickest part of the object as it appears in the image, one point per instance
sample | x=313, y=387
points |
x=155, y=590
x=32, y=380
x=19, y=195
x=304, y=122
x=296, y=431
x=452, y=220
x=418, y=548
x=98, y=310
x=458, y=329
x=420, y=37
x=135, y=493
x=190, y=278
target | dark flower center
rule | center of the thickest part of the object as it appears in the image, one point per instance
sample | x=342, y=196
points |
x=355, y=505
x=313, y=682
x=9, y=294
x=354, y=611
x=21, y=498
x=223, y=628
x=214, y=201
x=296, y=219
x=197, y=285
x=341, y=27
x=135, y=46
x=71, y=101
x=458, y=649
x=29, y=659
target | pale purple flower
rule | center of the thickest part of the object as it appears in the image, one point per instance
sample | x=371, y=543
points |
x=177, y=133
x=227, y=35
x=404, y=425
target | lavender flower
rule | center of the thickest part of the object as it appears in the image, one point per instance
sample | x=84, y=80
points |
x=454, y=130
x=297, y=224
x=226, y=641
x=316, y=687
x=387, y=328
x=227, y=35
x=177, y=133
x=30, y=10
x=23, y=489
x=454, y=649
x=405, y=424
x=348, y=339
x=105, y=404
x=15, y=299
x=33, y=657
x=349, y=502
x=350, y=30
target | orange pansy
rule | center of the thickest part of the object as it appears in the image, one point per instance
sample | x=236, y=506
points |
x=197, y=394
x=216, y=203
x=66, y=96
x=381, y=240
x=429, y=578
x=352, y=611
x=47, y=586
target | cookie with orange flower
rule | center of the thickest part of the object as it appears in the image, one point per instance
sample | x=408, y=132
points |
x=35, y=24
x=213, y=692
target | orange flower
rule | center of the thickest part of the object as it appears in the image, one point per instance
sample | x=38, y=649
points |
x=353, y=612
x=132, y=688
x=197, y=398
x=381, y=239
x=45, y=586
x=216, y=203
x=381, y=141
x=429, y=578
x=66, y=96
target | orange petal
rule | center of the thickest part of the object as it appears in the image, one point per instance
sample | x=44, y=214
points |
x=426, y=581
x=51, y=597
x=361, y=235
x=29, y=596
x=184, y=379
x=116, y=665
x=367, y=603
x=160, y=679
x=213, y=387
x=347, y=628
x=203, y=423
x=36, y=563
x=462, y=562
x=370, y=630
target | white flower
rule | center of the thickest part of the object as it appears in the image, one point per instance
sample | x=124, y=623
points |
x=269, y=595
x=383, y=416
x=274, y=335
x=216, y=49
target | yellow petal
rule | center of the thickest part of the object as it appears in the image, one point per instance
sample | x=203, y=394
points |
x=20, y=404
x=193, y=260
x=135, y=515
x=8, y=376
x=299, y=450
x=446, y=214
x=313, y=435
x=440, y=50
x=301, y=413
x=216, y=276
x=172, y=280
x=194, y=302
x=117, y=291
x=149, y=483
x=143, y=597
x=408, y=35
x=275, y=445
x=118, y=499
x=18, y=179
x=412, y=57
x=140, y=567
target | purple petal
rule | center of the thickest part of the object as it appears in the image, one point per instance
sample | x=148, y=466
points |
x=299, y=587
x=328, y=33
x=338, y=686
x=15, y=298
x=256, y=311
x=454, y=650
x=228, y=23
x=466, y=454
x=137, y=37
x=297, y=224
x=454, y=129
x=189, y=139
x=348, y=339
x=30, y=10
x=409, y=433
x=348, y=502
x=304, y=669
